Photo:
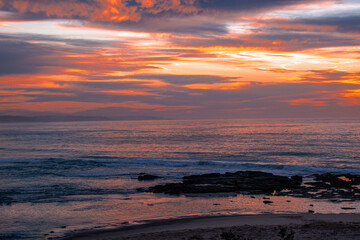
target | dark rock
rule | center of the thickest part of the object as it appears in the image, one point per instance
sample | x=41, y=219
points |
x=336, y=186
x=297, y=178
x=310, y=211
x=267, y=202
x=348, y=208
x=125, y=223
x=323, y=186
x=147, y=177
x=338, y=180
x=252, y=182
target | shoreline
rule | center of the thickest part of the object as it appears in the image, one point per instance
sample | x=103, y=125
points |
x=256, y=188
x=190, y=227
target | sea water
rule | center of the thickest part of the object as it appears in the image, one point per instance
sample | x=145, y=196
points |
x=63, y=176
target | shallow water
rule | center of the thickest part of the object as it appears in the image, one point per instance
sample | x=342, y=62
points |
x=83, y=174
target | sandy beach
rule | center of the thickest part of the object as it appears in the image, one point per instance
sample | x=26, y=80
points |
x=266, y=226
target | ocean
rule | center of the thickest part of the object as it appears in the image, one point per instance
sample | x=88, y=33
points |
x=62, y=177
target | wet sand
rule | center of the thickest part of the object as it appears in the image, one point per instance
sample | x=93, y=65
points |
x=265, y=226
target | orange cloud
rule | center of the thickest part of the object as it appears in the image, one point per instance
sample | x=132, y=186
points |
x=63, y=107
x=139, y=105
x=276, y=70
x=352, y=93
x=24, y=93
x=217, y=86
x=98, y=10
x=112, y=10
x=75, y=71
x=71, y=106
x=305, y=27
x=37, y=80
x=147, y=3
x=14, y=99
x=128, y=92
x=351, y=97
x=310, y=101
x=331, y=76
x=337, y=52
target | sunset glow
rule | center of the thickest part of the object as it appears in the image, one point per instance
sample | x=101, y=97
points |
x=180, y=59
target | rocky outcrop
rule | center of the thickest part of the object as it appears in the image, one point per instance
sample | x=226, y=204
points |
x=251, y=182
x=338, y=180
x=334, y=187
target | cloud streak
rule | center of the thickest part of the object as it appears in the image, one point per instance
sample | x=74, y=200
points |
x=180, y=59
x=134, y=10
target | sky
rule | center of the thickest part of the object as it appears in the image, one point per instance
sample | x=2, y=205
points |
x=180, y=59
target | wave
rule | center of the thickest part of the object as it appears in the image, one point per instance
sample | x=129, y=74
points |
x=235, y=165
x=97, y=166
